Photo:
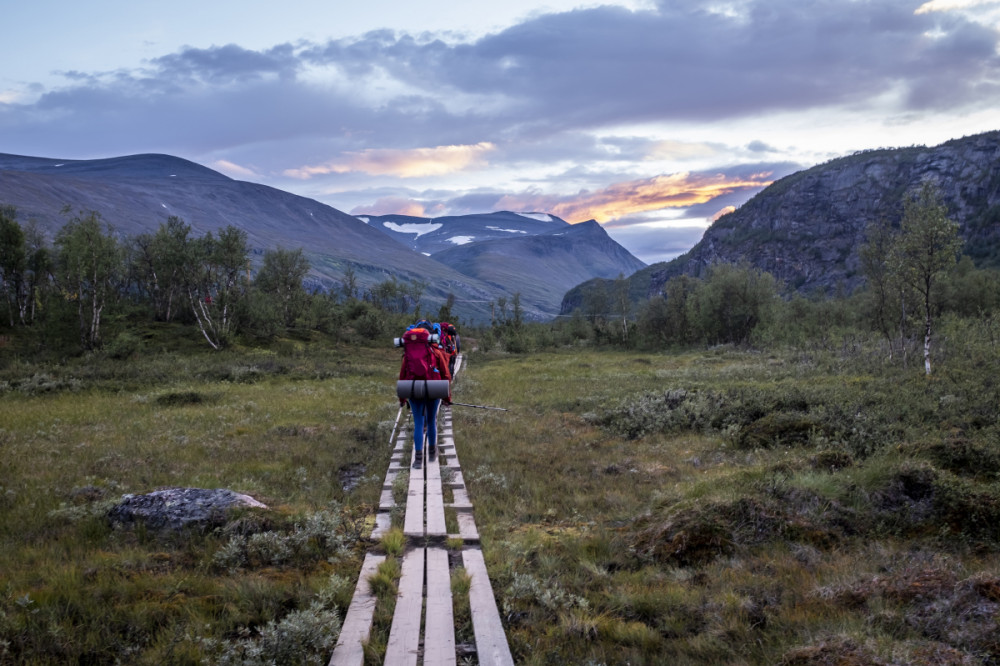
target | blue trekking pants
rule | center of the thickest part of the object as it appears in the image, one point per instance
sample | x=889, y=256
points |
x=424, y=415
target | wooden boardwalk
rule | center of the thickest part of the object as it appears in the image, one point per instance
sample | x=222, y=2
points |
x=423, y=630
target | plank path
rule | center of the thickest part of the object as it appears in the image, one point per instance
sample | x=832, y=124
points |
x=423, y=629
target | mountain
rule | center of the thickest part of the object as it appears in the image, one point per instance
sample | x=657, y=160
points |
x=805, y=229
x=430, y=235
x=543, y=266
x=137, y=193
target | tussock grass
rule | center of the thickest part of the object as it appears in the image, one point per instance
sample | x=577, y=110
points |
x=720, y=506
x=729, y=506
x=77, y=436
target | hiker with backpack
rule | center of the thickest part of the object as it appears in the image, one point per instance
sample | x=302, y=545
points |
x=422, y=362
x=451, y=343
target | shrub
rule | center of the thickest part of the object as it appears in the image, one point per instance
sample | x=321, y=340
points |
x=178, y=398
x=123, y=346
x=964, y=456
x=302, y=637
x=778, y=428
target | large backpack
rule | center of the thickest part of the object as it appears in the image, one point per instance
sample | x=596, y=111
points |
x=418, y=358
x=448, y=338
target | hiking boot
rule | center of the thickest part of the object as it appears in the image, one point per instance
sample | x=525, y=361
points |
x=432, y=452
x=418, y=462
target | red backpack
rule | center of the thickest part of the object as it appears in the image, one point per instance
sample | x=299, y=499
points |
x=418, y=359
x=448, y=338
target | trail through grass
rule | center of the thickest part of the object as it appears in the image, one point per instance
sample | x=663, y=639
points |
x=720, y=506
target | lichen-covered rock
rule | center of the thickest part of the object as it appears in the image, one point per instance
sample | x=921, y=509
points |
x=176, y=508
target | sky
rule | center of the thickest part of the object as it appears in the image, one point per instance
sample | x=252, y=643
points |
x=653, y=117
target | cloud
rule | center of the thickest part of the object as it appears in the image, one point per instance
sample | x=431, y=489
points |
x=760, y=147
x=568, y=73
x=392, y=206
x=696, y=197
x=949, y=5
x=227, y=64
x=681, y=190
x=235, y=170
x=411, y=163
x=651, y=242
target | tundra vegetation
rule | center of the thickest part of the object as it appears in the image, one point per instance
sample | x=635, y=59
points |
x=732, y=475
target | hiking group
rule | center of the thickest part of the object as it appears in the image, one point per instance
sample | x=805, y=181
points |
x=429, y=355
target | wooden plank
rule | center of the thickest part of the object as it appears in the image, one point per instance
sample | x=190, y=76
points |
x=435, y=500
x=358, y=622
x=467, y=529
x=404, y=634
x=439, y=631
x=413, y=519
x=386, y=500
x=383, y=522
x=491, y=641
x=461, y=500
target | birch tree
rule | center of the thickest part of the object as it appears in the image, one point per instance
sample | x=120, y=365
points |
x=925, y=249
x=217, y=277
x=89, y=266
x=13, y=264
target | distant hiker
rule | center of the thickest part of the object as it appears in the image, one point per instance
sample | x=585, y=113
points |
x=451, y=343
x=422, y=361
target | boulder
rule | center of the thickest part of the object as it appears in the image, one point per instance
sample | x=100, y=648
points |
x=176, y=508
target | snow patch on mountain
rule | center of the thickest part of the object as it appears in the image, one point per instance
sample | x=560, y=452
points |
x=418, y=229
x=512, y=231
x=462, y=240
x=541, y=217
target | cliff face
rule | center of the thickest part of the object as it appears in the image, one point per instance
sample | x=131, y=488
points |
x=805, y=229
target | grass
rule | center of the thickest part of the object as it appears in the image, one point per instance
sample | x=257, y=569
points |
x=721, y=506
x=74, y=589
x=697, y=508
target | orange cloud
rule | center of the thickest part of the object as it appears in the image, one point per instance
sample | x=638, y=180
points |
x=680, y=190
x=723, y=211
x=413, y=163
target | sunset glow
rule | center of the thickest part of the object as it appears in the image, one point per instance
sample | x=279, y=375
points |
x=622, y=199
x=415, y=163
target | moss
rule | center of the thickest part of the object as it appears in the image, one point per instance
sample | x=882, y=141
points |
x=776, y=429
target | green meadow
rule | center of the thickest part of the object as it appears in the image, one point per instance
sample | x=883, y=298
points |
x=716, y=506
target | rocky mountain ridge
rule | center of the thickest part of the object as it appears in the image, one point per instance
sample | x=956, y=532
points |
x=806, y=228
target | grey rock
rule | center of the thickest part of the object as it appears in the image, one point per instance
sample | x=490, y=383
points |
x=176, y=508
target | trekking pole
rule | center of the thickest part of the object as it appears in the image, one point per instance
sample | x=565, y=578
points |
x=395, y=426
x=462, y=404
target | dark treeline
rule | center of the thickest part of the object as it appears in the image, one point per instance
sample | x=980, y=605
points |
x=93, y=290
